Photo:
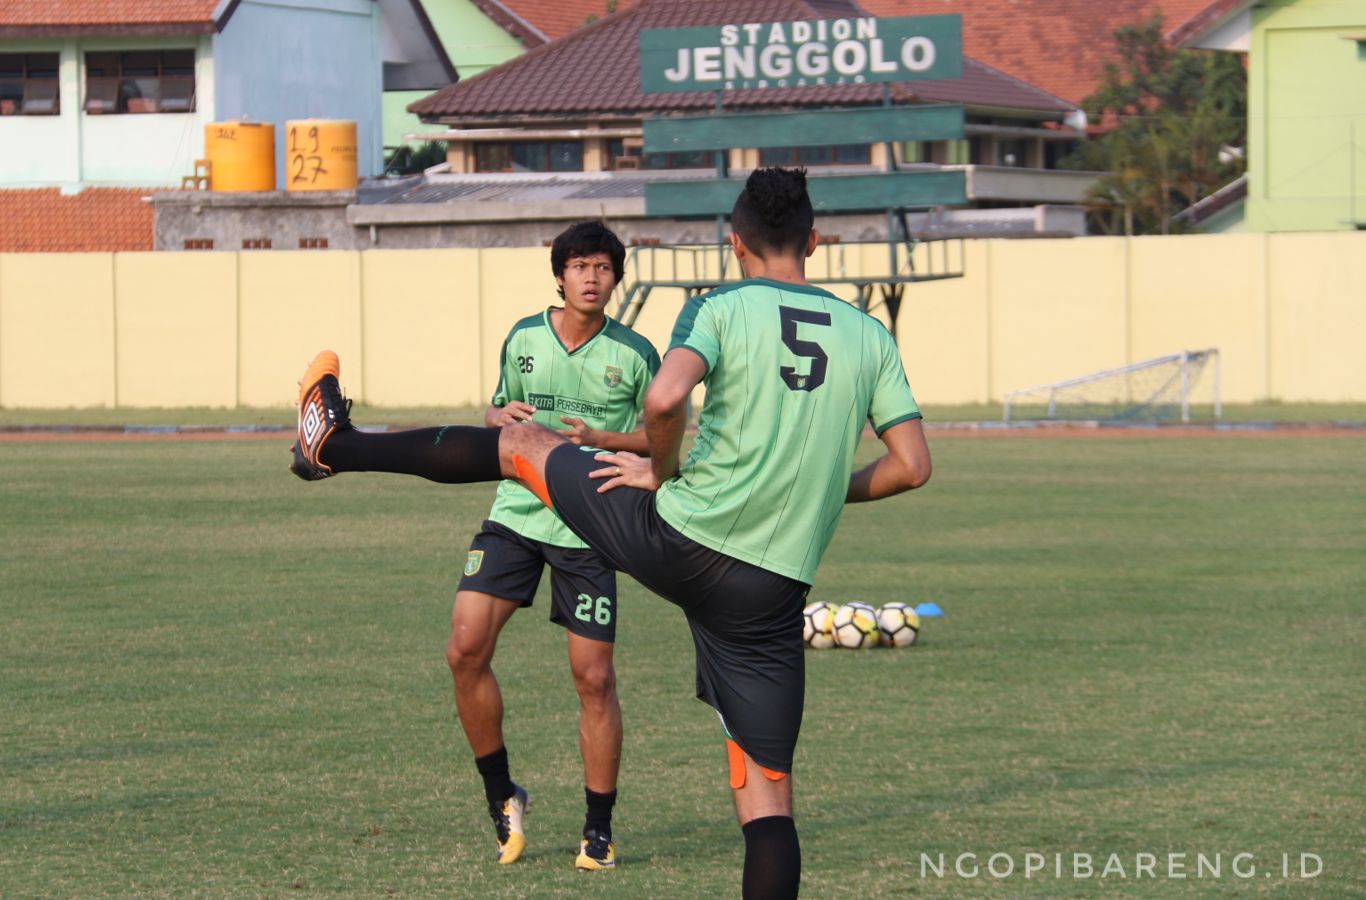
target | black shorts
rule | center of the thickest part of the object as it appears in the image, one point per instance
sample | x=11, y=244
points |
x=583, y=588
x=746, y=621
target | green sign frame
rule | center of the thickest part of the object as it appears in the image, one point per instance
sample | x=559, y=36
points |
x=805, y=53
x=804, y=129
x=829, y=193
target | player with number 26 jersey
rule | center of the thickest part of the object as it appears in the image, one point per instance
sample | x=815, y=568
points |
x=601, y=383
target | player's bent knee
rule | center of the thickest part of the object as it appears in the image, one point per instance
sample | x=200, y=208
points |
x=597, y=680
x=467, y=654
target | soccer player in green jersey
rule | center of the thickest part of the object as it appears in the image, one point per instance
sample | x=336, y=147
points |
x=732, y=535
x=564, y=367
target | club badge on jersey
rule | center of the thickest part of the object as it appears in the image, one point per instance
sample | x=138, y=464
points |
x=612, y=377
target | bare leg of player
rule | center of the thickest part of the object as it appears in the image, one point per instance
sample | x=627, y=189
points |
x=773, y=858
x=476, y=621
x=595, y=680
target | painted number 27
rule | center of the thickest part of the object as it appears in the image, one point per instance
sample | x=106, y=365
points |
x=811, y=350
x=594, y=610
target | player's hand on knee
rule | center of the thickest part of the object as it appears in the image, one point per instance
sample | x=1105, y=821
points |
x=578, y=432
x=516, y=411
x=624, y=469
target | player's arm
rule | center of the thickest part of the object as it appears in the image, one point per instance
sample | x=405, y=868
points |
x=666, y=408
x=510, y=413
x=666, y=415
x=583, y=434
x=504, y=407
x=904, y=467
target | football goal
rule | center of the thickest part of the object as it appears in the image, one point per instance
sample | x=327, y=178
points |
x=1153, y=390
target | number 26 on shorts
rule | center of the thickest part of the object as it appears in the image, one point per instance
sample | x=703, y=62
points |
x=592, y=609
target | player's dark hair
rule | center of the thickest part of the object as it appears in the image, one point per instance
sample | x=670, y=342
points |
x=773, y=213
x=585, y=239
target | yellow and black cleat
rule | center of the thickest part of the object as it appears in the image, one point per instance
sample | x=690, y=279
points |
x=596, y=852
x=507, y=822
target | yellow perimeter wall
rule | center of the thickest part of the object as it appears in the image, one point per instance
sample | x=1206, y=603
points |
x=1287, y=312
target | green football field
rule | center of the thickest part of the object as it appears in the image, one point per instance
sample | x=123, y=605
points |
x=218, y=680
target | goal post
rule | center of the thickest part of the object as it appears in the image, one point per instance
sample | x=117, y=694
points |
x=1153, y=390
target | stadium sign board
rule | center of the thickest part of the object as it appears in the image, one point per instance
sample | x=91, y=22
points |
x=816, y=53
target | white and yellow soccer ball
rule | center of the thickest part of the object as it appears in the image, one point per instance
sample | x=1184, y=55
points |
x=898, y=625
x=855, y=626
x=818, y=625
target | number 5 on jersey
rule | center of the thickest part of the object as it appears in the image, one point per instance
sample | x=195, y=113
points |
x=813, y=351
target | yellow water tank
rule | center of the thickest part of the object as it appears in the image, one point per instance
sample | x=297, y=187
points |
x=320, y=155
x=241, y=155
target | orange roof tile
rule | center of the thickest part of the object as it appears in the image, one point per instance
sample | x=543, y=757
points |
x=41, y=220
x=51, y=17
x=556, y=18
x=1060, y=45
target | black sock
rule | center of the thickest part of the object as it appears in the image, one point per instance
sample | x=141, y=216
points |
x=497, y=783
x=599, y=816
x=455, y=454
x=773, y=858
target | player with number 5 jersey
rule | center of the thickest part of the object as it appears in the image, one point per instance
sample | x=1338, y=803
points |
x=792, y=371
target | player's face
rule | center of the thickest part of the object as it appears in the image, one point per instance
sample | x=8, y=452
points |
x=588, y=282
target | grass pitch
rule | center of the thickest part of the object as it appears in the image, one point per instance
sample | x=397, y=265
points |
x=218, y=680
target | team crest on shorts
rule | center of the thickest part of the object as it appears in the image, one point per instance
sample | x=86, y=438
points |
x=612, y=377
x=473, y=562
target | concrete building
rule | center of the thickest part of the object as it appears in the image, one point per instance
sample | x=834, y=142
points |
x=117, y=92
x=473, y=35
x=1306, y=140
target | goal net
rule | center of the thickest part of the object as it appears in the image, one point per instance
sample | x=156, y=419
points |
x=1154, y=390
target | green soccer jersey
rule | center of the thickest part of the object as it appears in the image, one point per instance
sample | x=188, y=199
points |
x=793, y=374
x=602, y=382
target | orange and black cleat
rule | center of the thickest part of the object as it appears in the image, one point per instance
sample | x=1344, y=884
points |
x=322, y=411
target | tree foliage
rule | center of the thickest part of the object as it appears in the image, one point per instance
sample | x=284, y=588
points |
x=1166, y=115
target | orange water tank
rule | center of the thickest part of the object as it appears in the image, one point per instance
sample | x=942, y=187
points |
x=320, y=155
x=241, y=155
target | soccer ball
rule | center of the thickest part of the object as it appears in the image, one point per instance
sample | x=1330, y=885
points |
x=855, y=626
x=898, y=625
x=818, y=626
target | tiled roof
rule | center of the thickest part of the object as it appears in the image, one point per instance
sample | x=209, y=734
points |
x=97, y=219
x=595, y=72
x=1060, y=45
x=556, y=18
x=1204, y=17
x=50, y=17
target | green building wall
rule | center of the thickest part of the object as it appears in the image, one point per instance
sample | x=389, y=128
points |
x=472, y=41
x=1307, y=116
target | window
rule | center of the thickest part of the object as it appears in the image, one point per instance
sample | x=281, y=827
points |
x=1011, y=152
x=529, y=156
x=28, y=84
x=836, y=154
x=143, y=81
x=618, y=150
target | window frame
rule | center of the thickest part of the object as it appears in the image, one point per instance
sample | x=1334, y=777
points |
x=35, y=95
x=139, y=82
x=808, y=156
x=546, y=150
